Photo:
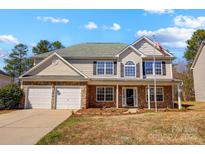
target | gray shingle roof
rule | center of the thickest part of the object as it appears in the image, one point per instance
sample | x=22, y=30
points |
x=56, y=77
x=88, y=50
x=3, y=73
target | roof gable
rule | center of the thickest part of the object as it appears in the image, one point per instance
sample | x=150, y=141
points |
x=54, y=65
x=127, y=49
x=148, y=48
x=3, y=73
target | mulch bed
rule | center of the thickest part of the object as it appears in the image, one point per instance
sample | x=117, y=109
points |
x=6, y=111
x=95, y=111
x=119, y=111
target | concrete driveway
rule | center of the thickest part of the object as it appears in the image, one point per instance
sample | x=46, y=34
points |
x=28, y=126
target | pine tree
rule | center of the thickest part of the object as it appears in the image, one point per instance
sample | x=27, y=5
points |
x=193, y=45
x=17, y=62
x=46, y=46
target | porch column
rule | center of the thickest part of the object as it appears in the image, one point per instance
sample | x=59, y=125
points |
x=173, y=93
x=148, y=93
x=179, y=96
x=117, y=96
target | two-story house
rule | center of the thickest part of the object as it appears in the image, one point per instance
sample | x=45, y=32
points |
x=96, y=75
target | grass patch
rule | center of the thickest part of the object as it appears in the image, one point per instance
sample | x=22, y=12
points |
x=58, y=132
x=146, y=128
x=51, y=138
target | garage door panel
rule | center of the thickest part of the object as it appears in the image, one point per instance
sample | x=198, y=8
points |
x=39, y=98
x=68, y=98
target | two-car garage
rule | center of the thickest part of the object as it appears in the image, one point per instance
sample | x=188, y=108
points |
x=64, y=97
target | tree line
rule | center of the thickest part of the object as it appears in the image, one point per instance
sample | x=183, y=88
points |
x=18, y=60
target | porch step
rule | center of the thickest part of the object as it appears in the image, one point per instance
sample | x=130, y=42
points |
x=131, y=111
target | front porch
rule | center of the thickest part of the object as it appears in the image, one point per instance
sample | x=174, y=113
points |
x=131, y=96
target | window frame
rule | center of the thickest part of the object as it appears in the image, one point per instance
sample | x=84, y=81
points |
x=104, y=68
x=158, y=68
x=146, y=68
x=156, y=94
x=96, y=95
x=134, y=65
x=154, y=67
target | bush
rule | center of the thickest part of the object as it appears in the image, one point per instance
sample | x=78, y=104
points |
x=10, y=96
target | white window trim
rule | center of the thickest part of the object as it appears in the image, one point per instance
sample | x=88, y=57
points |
x=105, y=68
x=161, y=68
x=150, y=94
x=130, y=65
x=153, y=68
x=96, y=98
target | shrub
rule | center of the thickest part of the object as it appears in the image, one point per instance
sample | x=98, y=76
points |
x=10, y=96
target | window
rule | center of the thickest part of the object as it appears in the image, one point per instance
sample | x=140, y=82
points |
x=104, y=94
x=159, y=94
x=149, y=67
x=158, y=67
x=130, y=69
x=104, y=68
x=100, y=68
x=109, y=67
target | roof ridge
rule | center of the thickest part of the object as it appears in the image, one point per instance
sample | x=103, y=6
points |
x=101, y=43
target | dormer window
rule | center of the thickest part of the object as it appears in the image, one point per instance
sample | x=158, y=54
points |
x=130, y=69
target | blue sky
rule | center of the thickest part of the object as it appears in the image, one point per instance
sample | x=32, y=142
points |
x=170, y=27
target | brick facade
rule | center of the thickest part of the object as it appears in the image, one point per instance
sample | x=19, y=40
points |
x=88, y=94
x=92, y=103
x=142, y=103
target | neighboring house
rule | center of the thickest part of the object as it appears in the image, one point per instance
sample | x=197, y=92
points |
x=4, y=79
x=96, y=75
x=198, y=67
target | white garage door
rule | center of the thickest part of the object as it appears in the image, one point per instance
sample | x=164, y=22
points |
x=39, y=98
x=68, y=98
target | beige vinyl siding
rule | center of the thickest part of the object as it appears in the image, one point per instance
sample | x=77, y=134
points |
x=146, y=48
x=4, y=80
x=86, y=67
x=59, y=68
x=130, y=55
x=199, y=76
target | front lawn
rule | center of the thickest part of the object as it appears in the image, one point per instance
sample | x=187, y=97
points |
x=145, y=128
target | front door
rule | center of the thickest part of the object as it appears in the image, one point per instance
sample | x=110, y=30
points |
x=130, y=97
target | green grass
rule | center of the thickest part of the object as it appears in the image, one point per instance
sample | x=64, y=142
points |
x=145, y=128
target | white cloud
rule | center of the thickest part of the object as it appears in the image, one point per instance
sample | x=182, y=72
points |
x=2, y=53
x=91, y=25
x=170, y=37
x=53, y=19
x=189, y=21
x=33, y=44
x=115, y=27
x=159, y=11
x=8, y=39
